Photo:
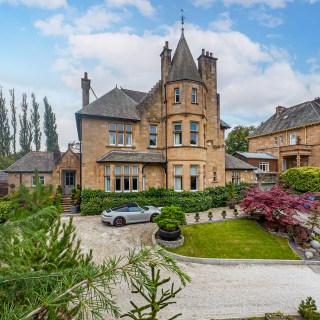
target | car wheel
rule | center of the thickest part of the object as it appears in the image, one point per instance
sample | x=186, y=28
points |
x=153, y=216
x=119, y=221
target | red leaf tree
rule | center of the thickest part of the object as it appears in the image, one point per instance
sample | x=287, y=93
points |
x=275, y=205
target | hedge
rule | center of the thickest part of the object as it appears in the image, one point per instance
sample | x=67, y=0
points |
x=5, y=209
x=95, y=201
x=302, y=179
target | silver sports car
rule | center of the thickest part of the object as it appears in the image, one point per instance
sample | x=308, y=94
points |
x=128, y=213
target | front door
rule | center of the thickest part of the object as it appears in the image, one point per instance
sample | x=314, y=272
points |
x=69, y=181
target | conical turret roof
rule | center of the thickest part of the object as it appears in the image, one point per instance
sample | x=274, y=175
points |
x=183, y=66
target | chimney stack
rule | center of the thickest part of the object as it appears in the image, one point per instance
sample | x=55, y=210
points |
x=165, y=62
x=85, y=86
x=279, y=109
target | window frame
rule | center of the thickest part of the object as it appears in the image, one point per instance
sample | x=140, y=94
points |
x=194, y=175
x=177, y=132
x=236, y=176
x=264, y=164
x=118, y=130
x=177, y=175
x=194, y=95
x=155, y=134
x=41, y=180
x=176, y=95
x=195, y=132
x=291, y=137
x=275, y=141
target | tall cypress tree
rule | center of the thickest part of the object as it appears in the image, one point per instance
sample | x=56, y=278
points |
x=5, y=137
x=25, y=134
x=13, y=122
x=35, y=120
x=50, y=126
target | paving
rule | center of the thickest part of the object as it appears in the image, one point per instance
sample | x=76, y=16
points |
x=216, y=291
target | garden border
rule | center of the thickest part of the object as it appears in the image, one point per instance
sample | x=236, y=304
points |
x=215, y=261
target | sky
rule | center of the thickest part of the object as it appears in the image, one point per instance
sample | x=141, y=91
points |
x=268, y=51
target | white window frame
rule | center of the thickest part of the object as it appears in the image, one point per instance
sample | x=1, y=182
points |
x=137, y=178
x=194, y=95
x=177, y=176
x=176, y=95
x=292, y=139
x=126, y=177
x=196, y=132
x=177, y=132
x=264, y=166
x=236, y=177
x=275, y=141
x=153, y=134
x=281, y=140
x=196, y=175
x=107, y=170
x=107, y=183
x=41, y=180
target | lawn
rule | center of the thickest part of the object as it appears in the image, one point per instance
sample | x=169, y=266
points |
x=233, y=239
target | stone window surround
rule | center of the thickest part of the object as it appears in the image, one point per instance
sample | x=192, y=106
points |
x=176, y=95
x=177, y=132
x=41, y=179
x=126, y=131
x=194, y=95
x=127, y=176
x=155, y=134
x=236, y=176
x=194, y=132
x=194, y=175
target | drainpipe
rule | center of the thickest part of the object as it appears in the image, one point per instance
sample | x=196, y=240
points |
x=166, y=133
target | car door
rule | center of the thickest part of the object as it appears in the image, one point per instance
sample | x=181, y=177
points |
x=135, y=214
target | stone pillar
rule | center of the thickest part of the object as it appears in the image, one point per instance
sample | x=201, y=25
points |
x=298, y=161
x=85, y=86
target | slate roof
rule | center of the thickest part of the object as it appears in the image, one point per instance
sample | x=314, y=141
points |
x=224, y=125
x=256, y=155
x=237, y=164
x=302, y=114
x=183, y=67
x=114, y=104
x=43, y=161
x=133, y=156
x=137, y=96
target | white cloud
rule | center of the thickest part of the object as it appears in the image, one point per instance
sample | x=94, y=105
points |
x=144, y=6
x=97, y=18
x=265, y=19
x=312, y=1
x=245, y=3
x=224, y=23
x=44, y=4
x=252, y=78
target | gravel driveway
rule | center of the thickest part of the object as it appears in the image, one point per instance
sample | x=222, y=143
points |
x=215, y=291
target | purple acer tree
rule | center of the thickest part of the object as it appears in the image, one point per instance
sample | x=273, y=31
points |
x=276, y=205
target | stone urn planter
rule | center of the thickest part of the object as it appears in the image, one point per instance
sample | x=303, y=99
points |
x=74, y=209
x=197, y=216
x=210, y=215
x=169, y=235
x=224, y=214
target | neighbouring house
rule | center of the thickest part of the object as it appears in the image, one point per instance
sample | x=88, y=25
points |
x=238, y=171
x=54, y=168
x=264, y=161
x=3, y=183
x=170, y=137
x=291, y=134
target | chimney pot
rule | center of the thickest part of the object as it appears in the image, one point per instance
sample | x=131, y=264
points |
x=207, y=53
x=85, y=75
x=211, y=54
x=279, y=109
x=167, y=44
x=203, y=51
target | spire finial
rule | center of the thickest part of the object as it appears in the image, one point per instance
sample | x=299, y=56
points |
x=182, y=20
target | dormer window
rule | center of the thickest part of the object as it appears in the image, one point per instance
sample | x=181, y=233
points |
x=176, y=95
x=194, y=95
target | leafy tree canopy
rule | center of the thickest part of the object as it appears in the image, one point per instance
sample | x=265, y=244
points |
x=237, y=139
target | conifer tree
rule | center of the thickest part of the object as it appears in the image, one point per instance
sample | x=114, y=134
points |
x=5, y=137
x=35, y=120
x=13, y=122
x=50, y=126
x=25, y=134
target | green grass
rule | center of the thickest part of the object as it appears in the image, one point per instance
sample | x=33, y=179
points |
x=233, y=239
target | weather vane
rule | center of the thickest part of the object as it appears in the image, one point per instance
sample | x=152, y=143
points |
x=182, y=19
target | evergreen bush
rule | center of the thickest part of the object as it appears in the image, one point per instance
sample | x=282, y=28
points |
x=302, y=179
x=95, y=201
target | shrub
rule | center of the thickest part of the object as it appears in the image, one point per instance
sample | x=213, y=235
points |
x=170, y=218
x=5, y=210
x=302, y=179
x=308, y=309
x=95, y=201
